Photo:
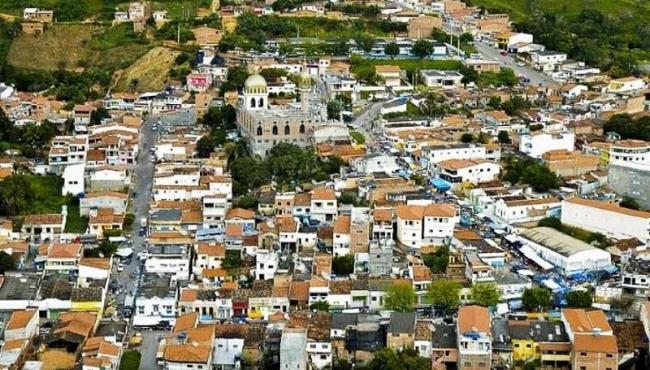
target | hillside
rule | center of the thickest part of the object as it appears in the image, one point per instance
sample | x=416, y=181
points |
x=71, y=46
x=518, y=9
x=149, y=73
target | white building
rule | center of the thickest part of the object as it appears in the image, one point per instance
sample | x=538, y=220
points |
x=606, y=218
x=526, y=210
x=419, y=225
x=376, y=162
x=547, y=60
x=564, y=252
x=535, y=144
x=227, y=353
x=266, y=264
x=293, y=353
x=474, y=338
x=626, y=85
x=73, y=179
x=323, y=205
x=440, y=78
x=626, y=152
x=156, y=301
x=457, y=171
x=438, y=153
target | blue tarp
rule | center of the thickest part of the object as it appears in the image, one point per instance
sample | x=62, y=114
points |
x=440, y=184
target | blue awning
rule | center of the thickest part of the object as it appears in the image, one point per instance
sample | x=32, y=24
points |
x=440, y=184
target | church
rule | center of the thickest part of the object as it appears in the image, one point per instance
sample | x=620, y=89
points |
x=264, y=126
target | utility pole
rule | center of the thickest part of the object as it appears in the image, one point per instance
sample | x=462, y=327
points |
x=178, y=34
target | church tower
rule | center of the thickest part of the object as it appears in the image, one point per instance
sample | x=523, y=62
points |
x=256, y=95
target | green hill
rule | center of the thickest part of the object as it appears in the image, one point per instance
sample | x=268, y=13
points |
x=519, y=9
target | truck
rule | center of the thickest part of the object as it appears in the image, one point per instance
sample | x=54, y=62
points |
x=143, y=222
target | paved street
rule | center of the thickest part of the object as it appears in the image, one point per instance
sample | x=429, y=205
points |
x=143, y=177
x=364, y=122
x=534, y=76
x=149, y=348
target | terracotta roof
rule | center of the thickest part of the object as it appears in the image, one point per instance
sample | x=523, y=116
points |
x=299, y=291
x=211, y=273
x=302, y=199
x=383, y=214
x=631, y=143
x=189, y=295
x=14, y=344
x=421, y=273
x=322, y=264
x=46, y=219
x=108, y=349
x=473, y=318
x=388, y=68
x=595, y=343
x=79, y=323
x=342, y=225
x=582, y=321
x=416, y=212
x=100, y=263
x=190, y=352
x=99, y=194
x=192, y=216
x=234, y=230
x=19, y=319
x=456, y=164
x=318, y=282
x=212, y=250
x=606, y=206
x=64, y=250
x=323, y=193
x=240, y=213
x=185, y=322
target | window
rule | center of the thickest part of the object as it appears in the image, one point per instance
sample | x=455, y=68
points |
x=609, y=355
x=259, y=130
x=481, y=364
x=275, y=130
x=583, y=354
x=287, y=130
x=252, y=102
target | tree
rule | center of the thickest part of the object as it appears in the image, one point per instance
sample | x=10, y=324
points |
x=365, y=42
x=236, y=77
x=391, y=49
x=438, y=260
x=129, y=218
x=629, y=202
x=98, y=115
x=320, y=306
x=422, y=48
x=536, y=299
x=622, y=304
x=343, y=265
x=15, y=190
x=485, y=294
x=358, y=137
x=7, y=262
x=467, y=138
x=400, y=297
x=130, y=360
x=206, y=145
x=579, y=299
x=444, y=293
x=552, y=222
x=232, y=260
x=503, y=137
x=246, y=201
x=418, y=179
x=390, y=359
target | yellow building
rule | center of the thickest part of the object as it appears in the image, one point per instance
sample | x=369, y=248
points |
x=539, y=340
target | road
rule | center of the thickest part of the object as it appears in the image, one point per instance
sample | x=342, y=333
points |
x=143, y=178
x=534, y=76
x=149, y=348
x=364, y=123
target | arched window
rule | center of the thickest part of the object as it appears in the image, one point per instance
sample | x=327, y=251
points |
x=252, y=102
x=287, y=130
x=275, y=130
x=259, y=130
x=302, y=128
x=261, y=104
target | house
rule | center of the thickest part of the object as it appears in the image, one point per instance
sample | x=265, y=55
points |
x=626, y=85
x=323, y=205
x=458, y=171
x=570, y=163
x=63, y=257
x=38, y=15
x=606, y=218
x=401, y=330
x=547, y=60
x=382, y=224
x=441, y=78
x=423, y=26
x=155, y=303
x=474, y=338
x=568, y=254
x=419, y=225
x=113, y=178
x=536, y=143
x=293, y=349
x=102, y=219
x=482, y=65
x=319, y=346
x=198, y=82
x=376, y=163
x=189, y=347
x=444, y=346
x=526, y=210
x=634, y=277
x=266, y=264
x=594, y=352
x=391, y=74
x=531, y=338
x=22, y=324
x=432, y=154
x=208, y=256
x=105, y=199
x=206, y=36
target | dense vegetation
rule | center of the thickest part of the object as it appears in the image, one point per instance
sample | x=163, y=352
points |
x=628, y=127
x=586, y=236
x=30, y=139
x=528, y=171
x=286, y=164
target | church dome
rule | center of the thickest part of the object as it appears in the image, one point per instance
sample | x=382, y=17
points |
x=305, y=80
x=255, y=83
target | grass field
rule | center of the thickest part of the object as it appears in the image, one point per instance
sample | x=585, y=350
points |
x=48, y=199
x=520, y=8
x=78, y=45
x=149, y=73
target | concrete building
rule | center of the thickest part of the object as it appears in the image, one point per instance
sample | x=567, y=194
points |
x=535, y=144
x=606, y=218
x=293, y=349
x=419, y=225
x=457, y=171
x=629, y=170
x=440, y=78
x=474, y=338
x=526, y=210
x=566, y=164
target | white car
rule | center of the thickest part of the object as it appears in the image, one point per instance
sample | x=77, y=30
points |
x=521, y=64
x=120, y=267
